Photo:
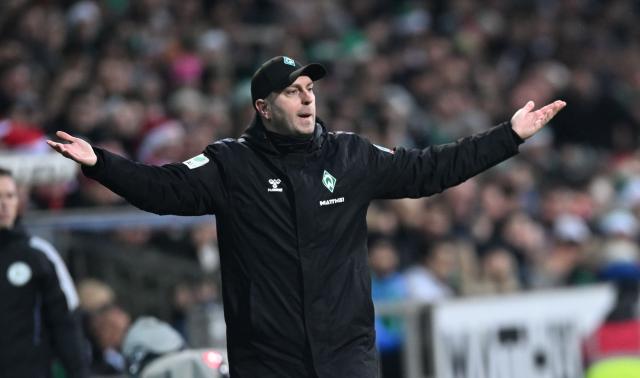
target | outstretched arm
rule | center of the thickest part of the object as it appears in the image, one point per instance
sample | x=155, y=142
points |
x=417, y=173
x=175, y=188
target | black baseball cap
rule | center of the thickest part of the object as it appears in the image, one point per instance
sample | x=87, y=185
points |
x=278, y=73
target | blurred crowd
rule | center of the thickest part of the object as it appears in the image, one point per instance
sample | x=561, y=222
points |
x=157, y=80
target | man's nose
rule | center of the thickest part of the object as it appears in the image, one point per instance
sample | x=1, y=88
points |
x=307, y=97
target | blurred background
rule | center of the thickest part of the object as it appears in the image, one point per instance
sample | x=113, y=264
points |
x=158, y=80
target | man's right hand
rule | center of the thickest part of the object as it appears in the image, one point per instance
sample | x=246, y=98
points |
x=77, y=149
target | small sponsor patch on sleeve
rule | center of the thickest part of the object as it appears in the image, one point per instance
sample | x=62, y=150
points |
x=385, y=149
x=196, y=161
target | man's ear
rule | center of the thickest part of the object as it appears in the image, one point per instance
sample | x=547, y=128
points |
x=263, y=108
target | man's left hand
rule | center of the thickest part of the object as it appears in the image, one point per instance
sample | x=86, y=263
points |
x=526, y=121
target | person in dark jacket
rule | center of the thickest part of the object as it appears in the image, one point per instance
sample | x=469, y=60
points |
x=38, y=317
x=290, y=200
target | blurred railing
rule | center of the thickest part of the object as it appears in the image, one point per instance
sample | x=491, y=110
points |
x=100, y=219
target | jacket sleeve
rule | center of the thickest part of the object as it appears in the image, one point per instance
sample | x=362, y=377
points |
x=417, y=173
x=193, y=187
x=60, y=314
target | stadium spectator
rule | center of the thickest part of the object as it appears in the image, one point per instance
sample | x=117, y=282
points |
x=434, y=279
x=107, y=327
x=387, y=285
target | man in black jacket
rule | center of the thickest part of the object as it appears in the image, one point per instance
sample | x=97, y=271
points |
x=290, y=201
x=38, y=301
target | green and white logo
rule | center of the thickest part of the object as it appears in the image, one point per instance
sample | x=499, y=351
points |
x=289, y=61
x=19, y=273
x=329, y=181
x=196, y=161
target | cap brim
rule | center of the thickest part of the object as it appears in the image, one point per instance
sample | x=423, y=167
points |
x=314, y=71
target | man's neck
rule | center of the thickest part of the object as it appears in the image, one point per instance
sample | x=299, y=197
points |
x=290, y=143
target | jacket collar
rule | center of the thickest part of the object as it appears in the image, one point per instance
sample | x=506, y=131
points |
x=256, y=136
x=12, y=234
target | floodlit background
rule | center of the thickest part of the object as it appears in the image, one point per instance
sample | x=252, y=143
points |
x=528, y=270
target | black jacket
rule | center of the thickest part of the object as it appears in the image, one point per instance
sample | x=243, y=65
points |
x=292, y=235
x=38, y=319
